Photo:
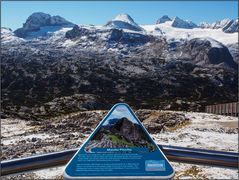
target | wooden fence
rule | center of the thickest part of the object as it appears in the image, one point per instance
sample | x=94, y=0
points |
x=228, y=109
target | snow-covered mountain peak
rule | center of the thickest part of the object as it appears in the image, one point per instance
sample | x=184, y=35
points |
x=221, y=23
x=124, y=21
x=125, y=18
x=163, y=19
x=204, y=25
x=5, y=30
x=7, y=36
x=39, y=15
x=226, y=25
x=180, y=23
x=226, y=20
x=39, y=20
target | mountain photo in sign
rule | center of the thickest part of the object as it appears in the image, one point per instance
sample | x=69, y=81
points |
x=119, y=148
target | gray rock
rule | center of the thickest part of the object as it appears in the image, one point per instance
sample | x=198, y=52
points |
x=37, y=20
x=179, y=23
x=163, y=19
x=34, y=139
x=76, y=32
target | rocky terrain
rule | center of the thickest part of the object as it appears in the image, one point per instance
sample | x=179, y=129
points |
x=21, y=138
x=173, y=64
x=67, y=131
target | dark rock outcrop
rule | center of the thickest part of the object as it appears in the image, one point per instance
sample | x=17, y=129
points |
x=232, y=27
x=77, y=32
x=115, y=35
x=207, y=52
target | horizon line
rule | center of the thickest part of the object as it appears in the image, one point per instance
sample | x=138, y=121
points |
x=171, y=17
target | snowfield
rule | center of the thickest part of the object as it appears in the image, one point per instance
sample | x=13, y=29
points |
x=177, y=34
x=206, y=131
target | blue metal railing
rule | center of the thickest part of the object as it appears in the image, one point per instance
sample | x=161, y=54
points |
x=173, y=153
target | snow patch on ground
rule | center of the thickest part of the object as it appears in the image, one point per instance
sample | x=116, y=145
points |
x=15, y=140
x=13, y=127
x=206, y=131
x=69, y=43
x=13, y=131
x=191, y=171
x=49, y=173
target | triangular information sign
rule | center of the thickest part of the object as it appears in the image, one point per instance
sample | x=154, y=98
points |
x=119, y=148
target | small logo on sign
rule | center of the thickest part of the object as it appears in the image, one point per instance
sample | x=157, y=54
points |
x=154, y=165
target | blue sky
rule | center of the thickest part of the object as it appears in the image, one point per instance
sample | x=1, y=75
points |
x=14, y=14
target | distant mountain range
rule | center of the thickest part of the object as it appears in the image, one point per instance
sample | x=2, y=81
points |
x=122, y=21
x=173, y=64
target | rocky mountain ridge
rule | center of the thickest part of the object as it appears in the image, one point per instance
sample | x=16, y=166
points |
x=112, y=64
x=226, y=25
x=38, y=20
x=179, y=23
